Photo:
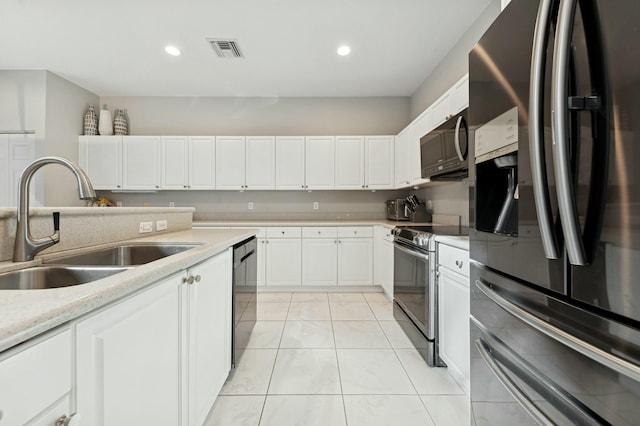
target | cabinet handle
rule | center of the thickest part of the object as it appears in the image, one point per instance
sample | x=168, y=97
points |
x=302, y=186
x=459, y=263
x=117, y=186
x=70, y=420
x=188, y=280
x=267, y=241
x=282, y=232
x=197, y=278
x=363, y=186
x=185, y=186
x=157, y=187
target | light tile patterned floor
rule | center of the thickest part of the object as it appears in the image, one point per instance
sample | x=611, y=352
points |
x=336, y=359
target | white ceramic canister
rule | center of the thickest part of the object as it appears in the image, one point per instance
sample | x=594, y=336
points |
x=105, y=125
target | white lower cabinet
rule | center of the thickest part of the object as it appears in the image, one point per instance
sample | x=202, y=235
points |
x=453, y=312
x=283, y=261
x=128, y=360
x=355, y=261
x=320, y=261
x=383, y=260
x=161, y=356
x=209, y=331
x=35, y=381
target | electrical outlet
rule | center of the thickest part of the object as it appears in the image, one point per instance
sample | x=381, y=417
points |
x=145, y=227
x=172, y=204
x=316, y=205
x=118, y=203
x=161, y=225
x=250, y=205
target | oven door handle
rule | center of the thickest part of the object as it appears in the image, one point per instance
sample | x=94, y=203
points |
x=411, y=252
x=457, y=139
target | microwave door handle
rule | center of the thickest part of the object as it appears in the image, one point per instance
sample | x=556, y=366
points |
x=536, y=141
x=457, y=139
x=561, y=155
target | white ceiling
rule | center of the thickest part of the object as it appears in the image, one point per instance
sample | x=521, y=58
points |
x=116, y=47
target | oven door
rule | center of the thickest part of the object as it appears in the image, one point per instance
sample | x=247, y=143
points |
x=411, y=287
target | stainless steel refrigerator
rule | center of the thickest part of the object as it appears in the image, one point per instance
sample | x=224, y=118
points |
x=554, y=121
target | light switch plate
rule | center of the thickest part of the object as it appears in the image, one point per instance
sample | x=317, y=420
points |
x=161, y=225
x=145, y=227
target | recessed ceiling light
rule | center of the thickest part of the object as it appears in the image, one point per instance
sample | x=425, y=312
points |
x=344, y=50
x=172, y=50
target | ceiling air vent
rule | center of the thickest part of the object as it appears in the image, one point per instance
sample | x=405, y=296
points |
x=225, y=48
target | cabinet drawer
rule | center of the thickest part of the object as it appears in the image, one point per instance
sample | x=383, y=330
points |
x=319, y=232
x=284, y=232
x=355, y=232
x=454, y=258
x=35, y=378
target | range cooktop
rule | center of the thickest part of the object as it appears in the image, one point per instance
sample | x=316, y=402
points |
x=421, y=236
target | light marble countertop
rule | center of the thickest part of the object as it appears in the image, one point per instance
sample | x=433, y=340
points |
x=455, y=241
x=7, y=212
x=27, y=313
x=351, y=222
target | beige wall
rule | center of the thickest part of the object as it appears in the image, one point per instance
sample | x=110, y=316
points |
x=262, y=116
x=66, y=104
x=454, y=65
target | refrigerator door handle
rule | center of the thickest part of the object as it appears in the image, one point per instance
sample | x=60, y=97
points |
x=536, y=150
x=536, y=142
x=559, y=126
x=457, y=139
x=515, y=391
x=613, y=362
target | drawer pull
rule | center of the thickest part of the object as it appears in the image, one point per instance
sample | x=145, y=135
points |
x=459, y=263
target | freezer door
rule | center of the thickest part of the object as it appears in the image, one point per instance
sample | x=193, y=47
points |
x=537, y=360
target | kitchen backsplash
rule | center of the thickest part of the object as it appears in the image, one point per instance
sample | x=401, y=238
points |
x=268, y=205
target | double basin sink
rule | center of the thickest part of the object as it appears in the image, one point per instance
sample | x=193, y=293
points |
x=90, y=266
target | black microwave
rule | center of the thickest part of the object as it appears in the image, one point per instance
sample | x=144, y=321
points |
x=444, y=150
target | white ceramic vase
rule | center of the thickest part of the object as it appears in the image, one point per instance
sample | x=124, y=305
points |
x=105, y=125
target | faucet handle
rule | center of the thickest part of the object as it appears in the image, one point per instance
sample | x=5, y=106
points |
x=56, y=221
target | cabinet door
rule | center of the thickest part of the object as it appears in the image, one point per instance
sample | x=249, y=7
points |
x=418, y=129
x=175, y=162
x=128, y=360
x=261, y=258
x=379, y=162
x=402, y=159
x=387, y=271
x=260, y=165
x=209, y=334
x=349, y=162
x=202, y=162
x=440, y=110
x=283, y=261
x=453, y=317
x=230, y=158
x=290, y=162
x=383, y=260
x=141, y=162
x=36, y=381
x=355, y=261
x=319, y=162
x=102, y=160
x=319, y=261
x=460, y=95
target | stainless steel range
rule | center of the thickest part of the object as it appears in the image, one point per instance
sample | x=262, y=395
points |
x=415, y=284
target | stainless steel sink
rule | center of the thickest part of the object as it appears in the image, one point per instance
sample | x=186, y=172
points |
x=124, y=255
x=42, y=277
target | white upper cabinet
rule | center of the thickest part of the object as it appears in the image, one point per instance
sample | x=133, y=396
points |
x=350, y=162
x=319, y=162
x=101, y=158
x=230, y=162
x=175, y=162
x=402, y=159
x=379, y=162
x=460, y=95
x=141, y=162
x=440, y=110
x=245, y=162
x=418, y=129
x=504, y=3
x=202, y=162
x=290, y=162
x=260, y=162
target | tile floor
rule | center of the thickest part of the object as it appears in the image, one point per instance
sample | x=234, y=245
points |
x=333, y=359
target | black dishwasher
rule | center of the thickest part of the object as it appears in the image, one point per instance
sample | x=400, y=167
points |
x=245, y=282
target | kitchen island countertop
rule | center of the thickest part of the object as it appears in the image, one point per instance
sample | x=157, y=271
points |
x=28, y=313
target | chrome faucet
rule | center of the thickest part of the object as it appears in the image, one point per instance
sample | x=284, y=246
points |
x=26, y=246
